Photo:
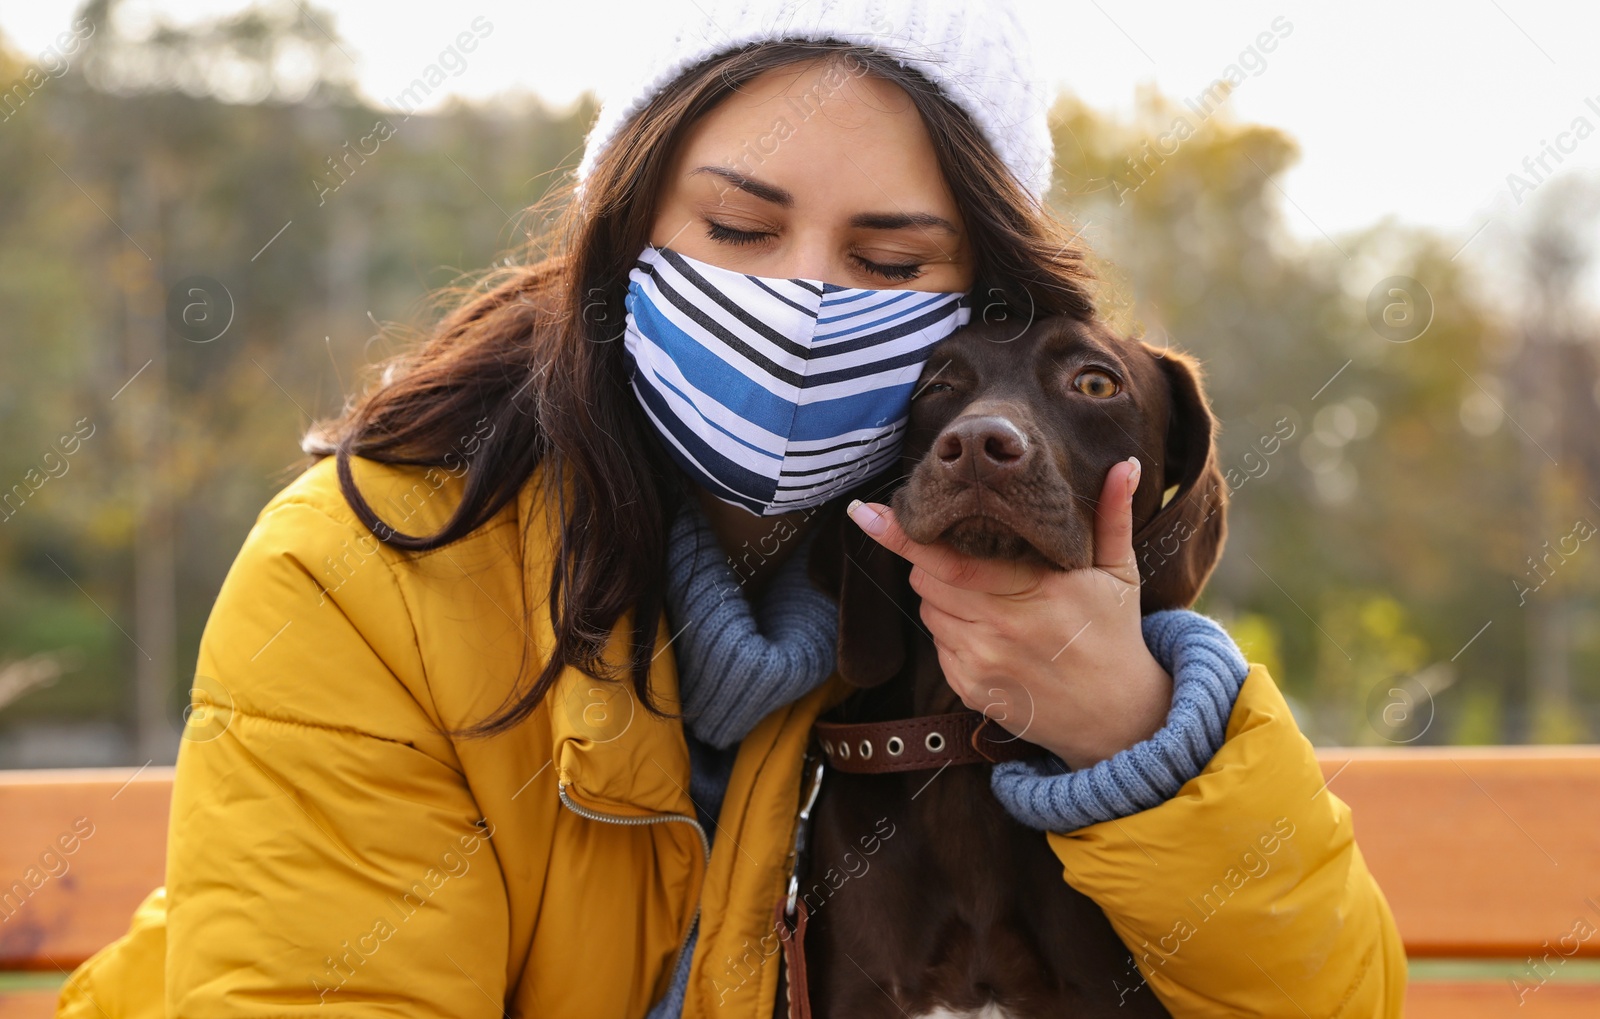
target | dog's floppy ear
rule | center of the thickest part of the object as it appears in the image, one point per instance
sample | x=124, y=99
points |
x=1178, y=547
x=872, y=586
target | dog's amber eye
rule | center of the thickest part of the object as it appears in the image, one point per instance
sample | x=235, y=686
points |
x=1095, y=383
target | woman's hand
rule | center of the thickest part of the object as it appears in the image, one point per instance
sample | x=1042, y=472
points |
x=1057, y=657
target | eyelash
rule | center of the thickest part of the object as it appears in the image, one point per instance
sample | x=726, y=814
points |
x=728, y=235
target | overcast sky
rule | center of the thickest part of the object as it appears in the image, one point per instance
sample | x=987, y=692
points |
x=1418, y=111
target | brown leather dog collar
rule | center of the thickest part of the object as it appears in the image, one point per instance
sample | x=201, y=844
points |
x=916, y=744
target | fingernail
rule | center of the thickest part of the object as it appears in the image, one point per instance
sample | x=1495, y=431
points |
x=1133, y=477
x=868, y=518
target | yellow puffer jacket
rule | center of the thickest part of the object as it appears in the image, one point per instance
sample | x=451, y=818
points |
x=333, y=852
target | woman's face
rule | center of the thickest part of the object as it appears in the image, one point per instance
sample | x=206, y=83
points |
x=816, y=171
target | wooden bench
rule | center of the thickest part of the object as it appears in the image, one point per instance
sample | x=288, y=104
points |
x=1489, y=856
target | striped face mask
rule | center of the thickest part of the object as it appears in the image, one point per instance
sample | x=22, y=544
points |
x=777, y=394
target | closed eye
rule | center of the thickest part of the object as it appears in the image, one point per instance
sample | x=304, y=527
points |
x=728, y=235
x=895, y=272
x=898, y=273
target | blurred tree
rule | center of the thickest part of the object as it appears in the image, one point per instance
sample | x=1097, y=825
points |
x=1555, y=400
x=279, y=51
x=117, y=184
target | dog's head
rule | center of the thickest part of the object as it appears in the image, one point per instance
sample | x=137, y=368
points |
x=1007, y=449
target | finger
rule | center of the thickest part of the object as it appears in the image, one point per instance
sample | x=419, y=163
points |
x=944, y=625
x=939, y=561
x=1113, y=522
x=949, y=667
x=1003, y=603
x=941, y=601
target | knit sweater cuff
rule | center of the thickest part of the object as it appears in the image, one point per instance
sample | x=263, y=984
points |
x=1207, y=669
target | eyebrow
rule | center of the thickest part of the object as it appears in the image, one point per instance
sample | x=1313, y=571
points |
x=901, y=220
x=863, y=220
x=764, y=191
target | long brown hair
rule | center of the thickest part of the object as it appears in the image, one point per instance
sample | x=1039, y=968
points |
x=527, y=359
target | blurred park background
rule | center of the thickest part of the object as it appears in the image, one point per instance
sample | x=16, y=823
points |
x=1410, y=414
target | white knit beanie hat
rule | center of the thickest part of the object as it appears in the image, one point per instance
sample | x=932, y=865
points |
x=975, y=51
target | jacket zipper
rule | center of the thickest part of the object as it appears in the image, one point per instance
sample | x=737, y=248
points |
x=705, y=845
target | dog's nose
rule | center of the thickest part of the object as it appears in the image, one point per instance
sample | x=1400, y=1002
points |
x=985, y=448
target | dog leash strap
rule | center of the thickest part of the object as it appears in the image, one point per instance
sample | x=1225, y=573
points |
x=794, y=959
x=791, y=905
x=917, y=744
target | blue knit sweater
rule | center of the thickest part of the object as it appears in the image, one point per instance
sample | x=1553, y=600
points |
x=737, y=662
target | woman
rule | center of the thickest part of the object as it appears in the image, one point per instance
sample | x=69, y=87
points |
x=438, y=761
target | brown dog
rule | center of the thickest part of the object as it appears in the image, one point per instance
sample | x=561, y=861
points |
x=925, y=897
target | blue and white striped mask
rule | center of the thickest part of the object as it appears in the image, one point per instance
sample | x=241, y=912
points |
x=777, y=394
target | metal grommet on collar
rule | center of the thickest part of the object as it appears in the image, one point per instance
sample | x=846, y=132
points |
x=895, y=745
x=827, y=747
x=866, y=749
x=844, y=751
x=934, y=742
